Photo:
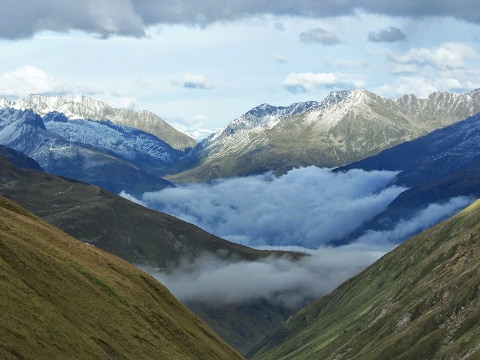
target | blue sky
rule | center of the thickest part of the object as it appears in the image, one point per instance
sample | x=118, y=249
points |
x=199, y=65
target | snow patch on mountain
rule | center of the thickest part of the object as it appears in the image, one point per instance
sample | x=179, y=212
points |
x=127, y=142
x=84, y=107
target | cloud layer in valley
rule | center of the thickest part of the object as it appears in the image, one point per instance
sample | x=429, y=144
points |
x=300, y=211
x=288, y=282
x=306, y=207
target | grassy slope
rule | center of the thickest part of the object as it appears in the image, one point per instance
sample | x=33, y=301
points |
x=140, y=236
x=62, y=298
x=421, y=301
x=91, y=214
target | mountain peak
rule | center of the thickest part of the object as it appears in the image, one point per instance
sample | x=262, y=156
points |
x=85, y=107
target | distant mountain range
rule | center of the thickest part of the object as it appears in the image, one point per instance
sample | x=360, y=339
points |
x=345, y=127
x=418, y=302
x=84, y=107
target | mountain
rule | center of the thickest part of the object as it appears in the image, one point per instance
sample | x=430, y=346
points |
x=62, y=299
x=345, y=127
x=436, y=167
x=140, y=236
x=101, y=218
x=126, y=159
x=436, y=155
x=84, y=107
x=19, y=159
x=418, y=302
x=138, y=147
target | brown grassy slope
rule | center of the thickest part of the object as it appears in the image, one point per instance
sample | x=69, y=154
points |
x=99, y=217
x=421, y=301
x=63, y=299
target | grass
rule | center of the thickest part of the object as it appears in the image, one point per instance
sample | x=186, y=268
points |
x=62, y=298
x=421, y=301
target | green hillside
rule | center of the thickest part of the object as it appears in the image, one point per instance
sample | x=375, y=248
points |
x=421, y=301
x=63, y=299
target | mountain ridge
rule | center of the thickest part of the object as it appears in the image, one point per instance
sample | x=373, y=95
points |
x=419, y=301
x=84, y=107
x=61, y=298
x=345, y=127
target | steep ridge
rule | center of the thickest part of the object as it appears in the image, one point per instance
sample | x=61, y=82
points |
x=121, y=164
x=421, y=301
x=84, y=107
x=436, y=167
x=62, y=299
x=345, y=127
x=433, y=156
x=110, y=222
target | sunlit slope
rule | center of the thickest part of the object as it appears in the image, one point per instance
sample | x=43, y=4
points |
x=421, y=301
x=62, y=299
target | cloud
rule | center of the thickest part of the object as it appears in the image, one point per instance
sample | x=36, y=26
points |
x=447, y=56
x=307, y=207
x=26, y=80
x=280, y=58
x=392, y=34
x=215, y=280
x=130, y=18
x=425, y=219
x=319, y=36
x=451, y=67
x=279, y=26
x=192, y=81
x=312, y=82
x=218, y=280
x=300, y=211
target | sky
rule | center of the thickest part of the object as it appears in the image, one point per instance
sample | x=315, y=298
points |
x=201, y=64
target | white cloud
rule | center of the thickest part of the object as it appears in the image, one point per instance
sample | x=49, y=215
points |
x=423, y=220
x=448, y=56
x=319, y=36
x=193, y=81
x=30, y=80
x=312, y=82
x=307, y=207
x=214, y=279
x=280, y=58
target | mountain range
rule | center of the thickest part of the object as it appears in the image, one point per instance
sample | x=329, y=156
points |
x=101, y=153
x=346, y=126
x=84, y=107
x=95, y=156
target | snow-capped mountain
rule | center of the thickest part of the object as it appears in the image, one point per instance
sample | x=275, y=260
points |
x=143, y=149
x=345, y=127
x=84, y=107
x=117, y=162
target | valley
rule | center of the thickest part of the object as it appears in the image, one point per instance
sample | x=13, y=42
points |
x=249, y=226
